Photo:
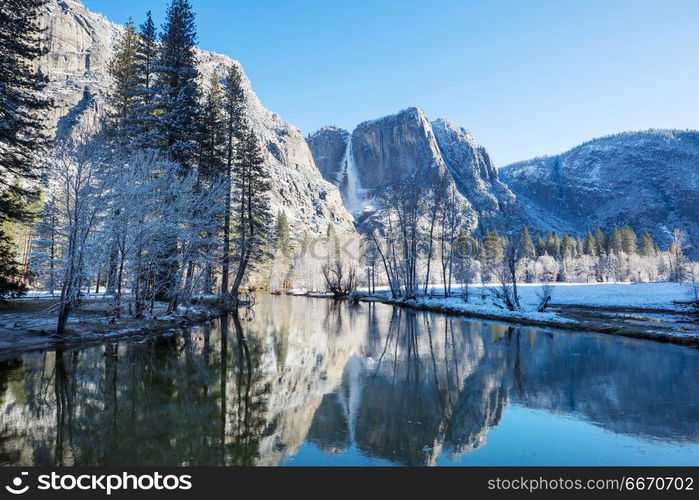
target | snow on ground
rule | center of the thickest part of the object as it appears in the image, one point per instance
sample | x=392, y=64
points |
x=660, y=295
x=477, y=305
x=648, y=310
x=642, y=295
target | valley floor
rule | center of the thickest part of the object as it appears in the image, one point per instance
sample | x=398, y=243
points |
x=659, y=311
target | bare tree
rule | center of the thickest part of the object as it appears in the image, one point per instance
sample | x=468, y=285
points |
x=75, y=180
x=678, y=261
x=436, y=194
x=340, y=270
x=400, y=215
x=505, y=271
x=451, y=219
x=384, y=245
x=694, y=276
x=339, y=278
x=544, y=295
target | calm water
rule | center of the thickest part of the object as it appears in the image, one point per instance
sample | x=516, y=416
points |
x=312, y=382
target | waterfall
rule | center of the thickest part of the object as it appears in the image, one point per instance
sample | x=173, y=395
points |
x=351, y=187
x=350, y=393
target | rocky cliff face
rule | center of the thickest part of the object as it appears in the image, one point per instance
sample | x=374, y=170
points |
x=648, y=180
x=329, y=147
x=394, y=146
x=408, y=144
x=473, y=171
x=81, y=45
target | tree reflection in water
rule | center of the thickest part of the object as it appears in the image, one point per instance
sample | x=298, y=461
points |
x=392, y=384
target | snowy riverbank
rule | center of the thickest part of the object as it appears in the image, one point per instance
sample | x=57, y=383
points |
x=656, y=311
x=29, y=323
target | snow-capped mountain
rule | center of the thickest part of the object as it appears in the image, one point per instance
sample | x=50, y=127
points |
x=648, y=180
x=81, y=44
x=378, y=150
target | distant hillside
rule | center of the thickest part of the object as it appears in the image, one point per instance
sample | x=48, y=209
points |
x=648, y=180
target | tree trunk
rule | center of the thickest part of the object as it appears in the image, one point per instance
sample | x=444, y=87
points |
x=225, y=257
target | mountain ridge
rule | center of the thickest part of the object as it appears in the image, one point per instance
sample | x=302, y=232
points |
x=408, y=141
x=646, y=179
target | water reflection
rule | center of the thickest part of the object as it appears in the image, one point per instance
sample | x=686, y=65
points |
x=386, y=384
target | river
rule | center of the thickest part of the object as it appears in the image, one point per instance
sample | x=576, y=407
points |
x=301, y=381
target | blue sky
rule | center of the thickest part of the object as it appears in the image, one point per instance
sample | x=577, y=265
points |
x=526, y=77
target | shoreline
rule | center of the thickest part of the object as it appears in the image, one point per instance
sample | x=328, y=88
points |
x=619, y=320
x=680, y=339
x=622, y=320
x=30, y=333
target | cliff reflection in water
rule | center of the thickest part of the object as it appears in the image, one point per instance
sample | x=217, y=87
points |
x=397, y=385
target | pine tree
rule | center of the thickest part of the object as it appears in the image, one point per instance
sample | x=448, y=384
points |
x=281, y=234
x=647, y=247
x=176, y=88
x=123, y=98
x=21, y=125
x=212, y=134
x=527, y=245
x=540, y=246
x=211, y=162
x=567, y=246
x=600, y=241
x=251, y=197
x=557, y=246
x=615, y=242
x=629, y=241
x=176, y=97
x=492, y=246
x=21, y=107
x=124, y=71
x=553, y=245
x=589, y=245
x=141, y=126
x=10, y=285
x=233, y=98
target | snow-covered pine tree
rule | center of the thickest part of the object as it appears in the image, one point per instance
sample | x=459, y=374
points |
x=177, y=94
x=600, y=241
x=177, y=87
x=540, y=246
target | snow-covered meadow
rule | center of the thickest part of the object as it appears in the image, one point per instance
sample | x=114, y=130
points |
x=654, y=310
x=660, y=295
